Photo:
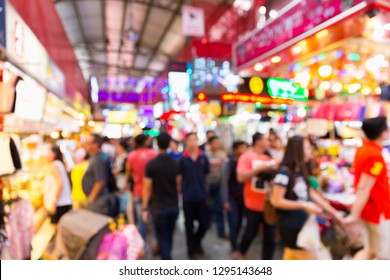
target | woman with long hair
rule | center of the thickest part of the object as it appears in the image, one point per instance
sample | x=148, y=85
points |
x=295, y=199
x=58, y=191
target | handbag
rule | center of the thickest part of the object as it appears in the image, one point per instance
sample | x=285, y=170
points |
x=270, y=213
x=309, y=237
x=107, y=204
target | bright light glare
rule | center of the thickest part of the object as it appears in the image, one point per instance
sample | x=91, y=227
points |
x=337, y=87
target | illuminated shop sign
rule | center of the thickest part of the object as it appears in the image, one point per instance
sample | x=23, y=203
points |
x=274, y=87
x=279, y=88
x=251, y=98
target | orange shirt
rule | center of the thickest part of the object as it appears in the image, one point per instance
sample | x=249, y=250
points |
x=254, y=198
x=369, y=160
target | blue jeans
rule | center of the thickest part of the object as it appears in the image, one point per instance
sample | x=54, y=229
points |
x=215, y=204
x=138, y=215
x=235, y=217
x=165, y=222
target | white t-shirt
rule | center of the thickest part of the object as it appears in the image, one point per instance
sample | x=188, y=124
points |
x=65, y=197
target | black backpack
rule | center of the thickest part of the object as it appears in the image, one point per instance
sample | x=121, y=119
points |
x=111, y=181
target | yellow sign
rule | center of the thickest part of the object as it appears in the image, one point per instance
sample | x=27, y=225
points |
x=256, y=85
x=122, y=117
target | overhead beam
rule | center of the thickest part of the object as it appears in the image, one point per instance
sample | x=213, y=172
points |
x=163, y=36
x=123, y=24
x=104, y=27
x=142, y=31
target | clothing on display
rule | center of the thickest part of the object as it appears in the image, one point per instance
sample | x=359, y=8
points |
x=10, y=157
x=20, y=229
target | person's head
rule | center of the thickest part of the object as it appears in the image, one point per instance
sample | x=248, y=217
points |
x=93, y=144
x=163, y=141
x=192, y=141
x=376, y=129
x=122, y=146
x=260, y=142
x=209, y=134
x=174, y=145
x=239, y=147
x=214, y=143
x=298, y=153
x=141, y=141
x=277, y=143
x=55, y=154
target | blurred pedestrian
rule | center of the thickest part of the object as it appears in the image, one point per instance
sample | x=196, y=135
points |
x=161, y=193
x=217, y=158
x=372, y=205
x=57, y=187
x=232, y=194
x=295, y=199
x=194, y=167
x=256, y=169
x=136, y=164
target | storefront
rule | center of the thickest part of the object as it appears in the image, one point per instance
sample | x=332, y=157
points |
x=32, y=105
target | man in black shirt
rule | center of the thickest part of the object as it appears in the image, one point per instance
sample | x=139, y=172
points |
x=160, y=192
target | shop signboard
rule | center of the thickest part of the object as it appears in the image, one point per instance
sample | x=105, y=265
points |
x=53, y=109
x=2, y=23
x=55, y=79
x=230, y=97
x=122, y=117
x=273, y=87
x=299, y=20
x=179, y=90
x=23, y=47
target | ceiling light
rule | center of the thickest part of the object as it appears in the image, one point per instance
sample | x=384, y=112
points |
x=262, y=10
x=353, y=88
x=325, y=85
x=325, y=71
x=366, y=91
x=276, y=59
x=378, y=91
x=296, y=50
x=322, y=34
x=337, y=87
x=273, y=14
x=258, y=67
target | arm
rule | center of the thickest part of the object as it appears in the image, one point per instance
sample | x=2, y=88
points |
x=225, y=182
x=179, y=181
x=278, y=200
x=57, y=176
x=324, y=204
x=245, y=175
x=96, y=189
x=146, y=191
x=365, y=185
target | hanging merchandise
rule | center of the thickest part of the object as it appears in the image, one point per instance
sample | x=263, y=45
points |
x=10, y=161
x=20, y=229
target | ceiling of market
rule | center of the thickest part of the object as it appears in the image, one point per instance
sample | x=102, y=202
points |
x=134, y=38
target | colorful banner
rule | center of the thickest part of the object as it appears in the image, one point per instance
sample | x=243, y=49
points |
x=299, y=18
x=193, y=22
x=229, y=97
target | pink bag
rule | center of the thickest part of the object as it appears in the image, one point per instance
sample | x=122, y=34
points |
x=113, y=247
x=135, y=242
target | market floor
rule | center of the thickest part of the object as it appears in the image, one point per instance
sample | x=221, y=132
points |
x=215, y=248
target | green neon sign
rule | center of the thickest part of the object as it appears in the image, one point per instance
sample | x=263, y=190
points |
x=280, y=88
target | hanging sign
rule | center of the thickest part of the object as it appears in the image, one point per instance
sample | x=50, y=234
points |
x=193, y=23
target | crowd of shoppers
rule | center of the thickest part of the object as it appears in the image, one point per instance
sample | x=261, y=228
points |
x=228, y=191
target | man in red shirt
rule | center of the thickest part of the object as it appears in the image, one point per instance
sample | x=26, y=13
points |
x=254, y=169
x=136, y=166
x=372, y=205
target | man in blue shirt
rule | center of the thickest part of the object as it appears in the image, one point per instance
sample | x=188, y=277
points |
x=194, y=167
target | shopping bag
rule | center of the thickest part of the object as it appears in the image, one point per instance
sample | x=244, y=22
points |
x=309, y=237
x=135, y=242
x=323, y=253
x=113, y=247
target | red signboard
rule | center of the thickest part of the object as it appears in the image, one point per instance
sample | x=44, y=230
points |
x=300, y=20
x=229, y=97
